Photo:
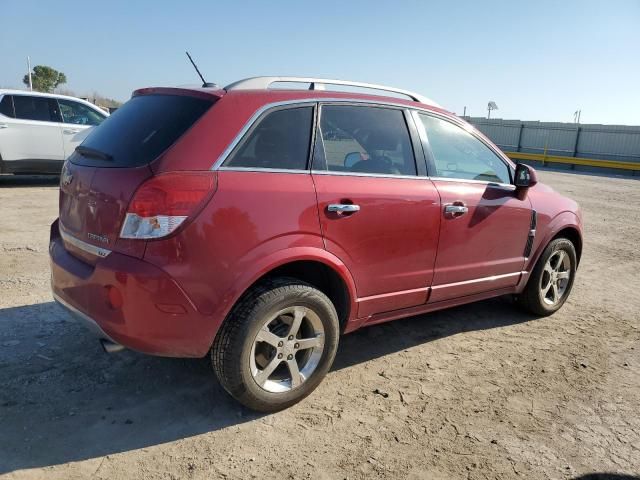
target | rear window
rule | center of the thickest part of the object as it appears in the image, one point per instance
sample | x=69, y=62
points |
x=139, y=131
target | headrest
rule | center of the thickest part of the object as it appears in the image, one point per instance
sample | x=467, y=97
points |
x=382, y=140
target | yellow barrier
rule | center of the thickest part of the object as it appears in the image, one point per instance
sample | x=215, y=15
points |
x=574, y=160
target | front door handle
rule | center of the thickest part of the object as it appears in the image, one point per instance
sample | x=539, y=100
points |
x=343, y=208
x=4, y=125
x=456, y=209
x=70, y=131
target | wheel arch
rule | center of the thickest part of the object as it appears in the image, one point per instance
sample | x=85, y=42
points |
x=528, y=293
x=573, y=235
x=566, y=225
x=321, y=276
x=311, y=265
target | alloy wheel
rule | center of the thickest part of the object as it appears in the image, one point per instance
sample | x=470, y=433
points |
x=555, y=277
x=287, y=349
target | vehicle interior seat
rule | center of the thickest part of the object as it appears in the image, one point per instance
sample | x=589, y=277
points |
x=376, y=143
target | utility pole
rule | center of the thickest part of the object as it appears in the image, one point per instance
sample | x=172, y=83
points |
x=465, y=112
x=29, y=72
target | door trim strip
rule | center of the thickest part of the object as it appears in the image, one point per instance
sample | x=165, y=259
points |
x=392, y=294
x=477, y=280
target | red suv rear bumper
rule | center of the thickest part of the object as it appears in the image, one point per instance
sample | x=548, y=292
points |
x=152, y=314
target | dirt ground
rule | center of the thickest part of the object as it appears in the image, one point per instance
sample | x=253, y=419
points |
x=481, y=391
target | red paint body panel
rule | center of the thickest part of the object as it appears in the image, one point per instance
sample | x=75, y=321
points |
x=390, y=244
x=555, y=213
x=252, y=216
x=140, y=324
x=435, y=306
x=392, y=301
x=488, y=241
x=96, y=204
x=398, y=256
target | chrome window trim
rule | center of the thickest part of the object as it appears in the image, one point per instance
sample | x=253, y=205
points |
x=84, y=246
x=413, y=109
x=247, y=126
x=318, y=172
x=364, y=174
x=250, y=123
x=264, y=170
x=507, y=186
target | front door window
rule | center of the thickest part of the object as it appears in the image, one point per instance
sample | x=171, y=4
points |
x=458, y=154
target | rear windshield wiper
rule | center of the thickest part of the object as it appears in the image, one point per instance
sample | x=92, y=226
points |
x=92, y=152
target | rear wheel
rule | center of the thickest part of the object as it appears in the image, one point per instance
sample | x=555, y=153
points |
x=277, y=344
x=551, y=280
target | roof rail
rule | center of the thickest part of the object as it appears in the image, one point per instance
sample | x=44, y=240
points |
x=263, y=83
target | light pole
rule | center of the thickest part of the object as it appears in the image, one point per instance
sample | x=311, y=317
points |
x=576, y=116
x=29, y=72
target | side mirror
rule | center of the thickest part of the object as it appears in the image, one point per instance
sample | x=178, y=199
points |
x=525, y=176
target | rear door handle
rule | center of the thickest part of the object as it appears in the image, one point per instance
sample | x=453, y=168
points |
x=457, y=209
x=4, y=125
x=343, y=208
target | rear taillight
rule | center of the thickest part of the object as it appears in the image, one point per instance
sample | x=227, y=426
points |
x=163, y=203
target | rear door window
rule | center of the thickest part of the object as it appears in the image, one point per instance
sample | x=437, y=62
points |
x=6, y=106
x=362, y=139
x=279, y=141
x=79, y=114
x=41, y=109
x=140, y=131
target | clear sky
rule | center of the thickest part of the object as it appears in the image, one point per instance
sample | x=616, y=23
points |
x=538, y=59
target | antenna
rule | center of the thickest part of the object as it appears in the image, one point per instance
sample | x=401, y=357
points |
x=205, y=84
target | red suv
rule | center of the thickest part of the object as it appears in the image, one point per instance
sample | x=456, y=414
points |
x=258, y=224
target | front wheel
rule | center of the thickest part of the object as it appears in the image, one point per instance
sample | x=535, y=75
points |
x=277, y=344
x=551, y=280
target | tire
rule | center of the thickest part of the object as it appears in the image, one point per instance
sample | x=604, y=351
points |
x=244, y=352
x=539, y=296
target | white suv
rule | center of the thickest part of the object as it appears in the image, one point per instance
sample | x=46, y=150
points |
x=39, y=130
